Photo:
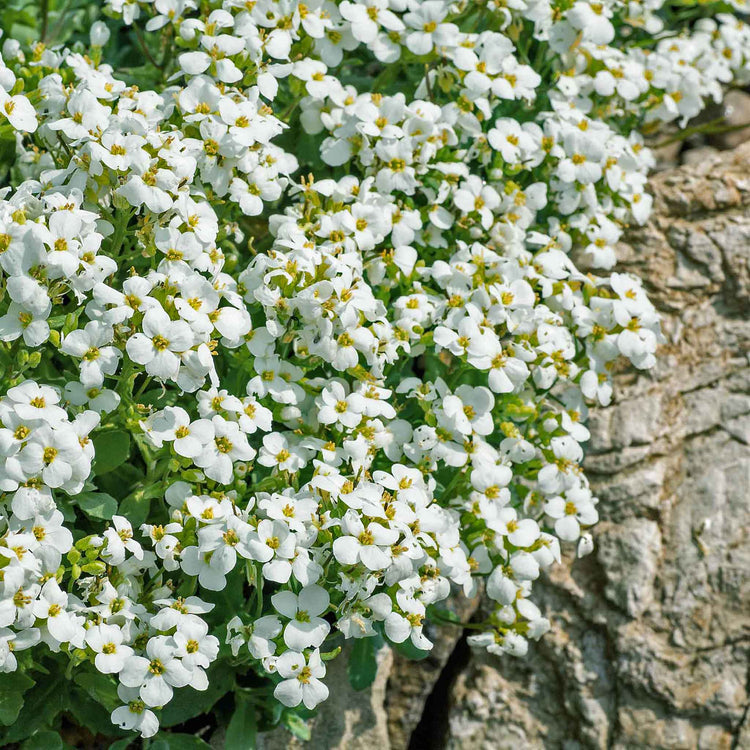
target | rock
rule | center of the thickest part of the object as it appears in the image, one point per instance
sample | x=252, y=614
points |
x=629, y=554
x=412, y=683
x=736, y=112
x=651, y=634
x=696, y=156
x=667, y=156
x=348, y=720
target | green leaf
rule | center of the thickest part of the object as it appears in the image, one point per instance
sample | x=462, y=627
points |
x=112, y=449
x=241, y=731
x=97, y=505
x=229, y=600
x=410, y=651
x=119, y=483
x=441, y=613
x=39, y=709
x=188, y=703
x=363, y=664
x=101, y=688
x=135, y=509
x=90, y=713
x=169, y=741
x=297, y=726
x=44, y=740
x=12, y=688
x=10, y=706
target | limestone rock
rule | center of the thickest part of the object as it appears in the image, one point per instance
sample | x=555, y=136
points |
x=412, y=683
x=629, y=554
x=736, y=112
x=651, y=634
x=349, y=720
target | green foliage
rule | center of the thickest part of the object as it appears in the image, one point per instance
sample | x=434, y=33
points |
x=242, y=727
x=97, y=505
x=169, y=741
x=12, y=689
x=44, y=740
x=112, y=449
x=363, y=665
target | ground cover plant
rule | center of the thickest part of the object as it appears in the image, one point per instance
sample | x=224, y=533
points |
x=303, y=306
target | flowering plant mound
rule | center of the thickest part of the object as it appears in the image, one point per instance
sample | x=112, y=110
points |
x=303, y=307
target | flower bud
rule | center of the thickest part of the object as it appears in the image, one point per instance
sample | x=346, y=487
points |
x=99, y=34
x=585, y=545
x=12, y=50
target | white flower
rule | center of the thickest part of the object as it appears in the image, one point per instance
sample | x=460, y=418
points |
x=473, y=195
x=306, y=629
x=107, y=642
x=301, y=679
x=211, y=569
x=274, y=547
x=509, y=138
x=408, y=624
x=426, y=19
x=156, y=674
x=62, y=625
x=229, y=444
x=11, y=642
x=119, y=539
x=197, y=649
x=584, y=158
x=19, y=112
x=336, y=407
x=173, y=424
x=276, y=452
x=150, y=189
x=585, y=545
x=367, y=17
x=521, y=533
x=97, y=399
x=469, y=410
x=593, y=20
x=49, y=531
x=97, y=360
x=51, y=454
x=570, y=513
x=369, y=544
x=261, y=640
x=134, y=715
x=19, y=321
x=160, y=344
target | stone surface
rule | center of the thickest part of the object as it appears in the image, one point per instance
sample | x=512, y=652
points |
x=651, y=634
x=350, y=720
x=736, y=111
x=628, y=553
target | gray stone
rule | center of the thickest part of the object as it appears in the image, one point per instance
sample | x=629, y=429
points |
x=736, y=112
x=665, y=597
x=629, y=554
x=695, y=156
x=350, y=720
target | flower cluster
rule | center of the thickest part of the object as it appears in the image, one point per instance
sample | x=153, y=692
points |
x=290, y=410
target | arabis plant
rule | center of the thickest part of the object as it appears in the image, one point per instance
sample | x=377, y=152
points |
x=303, y=309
